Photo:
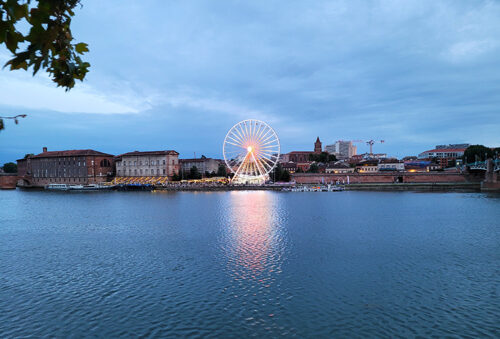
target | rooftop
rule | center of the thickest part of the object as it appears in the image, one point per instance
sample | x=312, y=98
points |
x=71, y=153
x=137, y=153
x=448, y=150
x=196, y=159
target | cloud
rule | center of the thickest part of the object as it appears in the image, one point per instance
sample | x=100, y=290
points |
x=469, y=50
x=411, y=72
x=20, y=90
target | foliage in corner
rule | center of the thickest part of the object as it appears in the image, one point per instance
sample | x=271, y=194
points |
x=48, y=43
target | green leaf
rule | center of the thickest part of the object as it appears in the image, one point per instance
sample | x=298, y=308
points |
x=21, y=11
x=81, y=48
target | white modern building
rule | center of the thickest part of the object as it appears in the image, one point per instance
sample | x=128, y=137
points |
x=452, y=151
x=342, y=149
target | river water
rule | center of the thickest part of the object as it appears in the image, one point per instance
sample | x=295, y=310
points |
x=239, y=264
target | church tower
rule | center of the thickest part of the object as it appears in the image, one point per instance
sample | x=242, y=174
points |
x=317, y=146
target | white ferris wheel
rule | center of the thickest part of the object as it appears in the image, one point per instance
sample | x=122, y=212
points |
x=251, y=150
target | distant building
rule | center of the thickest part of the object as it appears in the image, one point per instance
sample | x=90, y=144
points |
x=445, y=151
x=355, y=159
x=367, y=166
x=339, y=168
x=421, y=166
x=318, y=146
x=297, y=156
x=150, y=163
x=445, y=154
x=302, y=156
x=291, y=167
x=203, y=164
x=65, y=167
x=375, y=156
x=391, y=165
x=342, y=149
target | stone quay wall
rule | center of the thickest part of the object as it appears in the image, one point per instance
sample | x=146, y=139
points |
x=8, y=181
x=401, y=177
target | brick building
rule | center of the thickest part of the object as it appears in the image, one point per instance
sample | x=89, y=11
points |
x=65, y=167
x=302, y=156
x=150, y=163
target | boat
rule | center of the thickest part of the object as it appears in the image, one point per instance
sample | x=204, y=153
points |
x=320, y=188
x=57, y=187
x=90, y=187
x=335, y=188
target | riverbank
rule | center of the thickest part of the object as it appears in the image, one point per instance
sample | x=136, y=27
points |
x=429, y=187
x=8, y=181
x=440, y=187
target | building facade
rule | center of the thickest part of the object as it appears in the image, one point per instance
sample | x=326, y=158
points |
x=148, y=164
x=452, y=151
x=203, y=165
x=65, y=167
x=446, y=155
x=291, y=167
x=367, y=166
x=339, y=168
x=391, y=165
x=342, y=149
x=302, y=156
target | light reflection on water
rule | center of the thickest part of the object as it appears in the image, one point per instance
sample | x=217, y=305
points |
x=254, y=237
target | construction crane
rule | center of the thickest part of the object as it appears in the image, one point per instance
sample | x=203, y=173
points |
x=368, y=142
x=371, y=143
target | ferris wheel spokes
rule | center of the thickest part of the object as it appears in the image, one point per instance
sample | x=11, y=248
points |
x=251, y=150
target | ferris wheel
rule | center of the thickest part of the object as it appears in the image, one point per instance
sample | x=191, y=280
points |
x=251, y=150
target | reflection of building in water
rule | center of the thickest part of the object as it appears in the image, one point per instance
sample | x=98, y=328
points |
x=255, y=237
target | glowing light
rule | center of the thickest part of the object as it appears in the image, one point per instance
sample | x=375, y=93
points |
x=251, y=151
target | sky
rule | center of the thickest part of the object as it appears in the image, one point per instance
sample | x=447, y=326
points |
x=179, y=74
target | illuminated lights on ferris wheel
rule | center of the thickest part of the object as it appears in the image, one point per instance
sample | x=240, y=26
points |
x=251, y=151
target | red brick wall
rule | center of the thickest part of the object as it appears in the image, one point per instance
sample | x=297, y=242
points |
x=22, y=167
x=8, y=181
x=96, y=172
x=309, y=178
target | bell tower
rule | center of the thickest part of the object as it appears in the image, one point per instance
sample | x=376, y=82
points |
x=317, y=146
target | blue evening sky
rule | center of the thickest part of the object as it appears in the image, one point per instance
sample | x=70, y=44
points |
x=178, y=74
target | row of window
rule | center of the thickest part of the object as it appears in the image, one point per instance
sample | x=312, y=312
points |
x=391, y=166
x=59, y=180
x=60, y=174
x=135, y=163
x=140, y=172
x=59, y=163
x=64, y=162
x=445, y=155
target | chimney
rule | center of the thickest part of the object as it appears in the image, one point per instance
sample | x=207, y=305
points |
x=44, y=149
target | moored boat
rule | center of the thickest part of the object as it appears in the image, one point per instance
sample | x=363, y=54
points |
x=90, y=187
x=57, y=187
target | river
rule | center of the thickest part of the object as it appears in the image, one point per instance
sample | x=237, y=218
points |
x=249, y=263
